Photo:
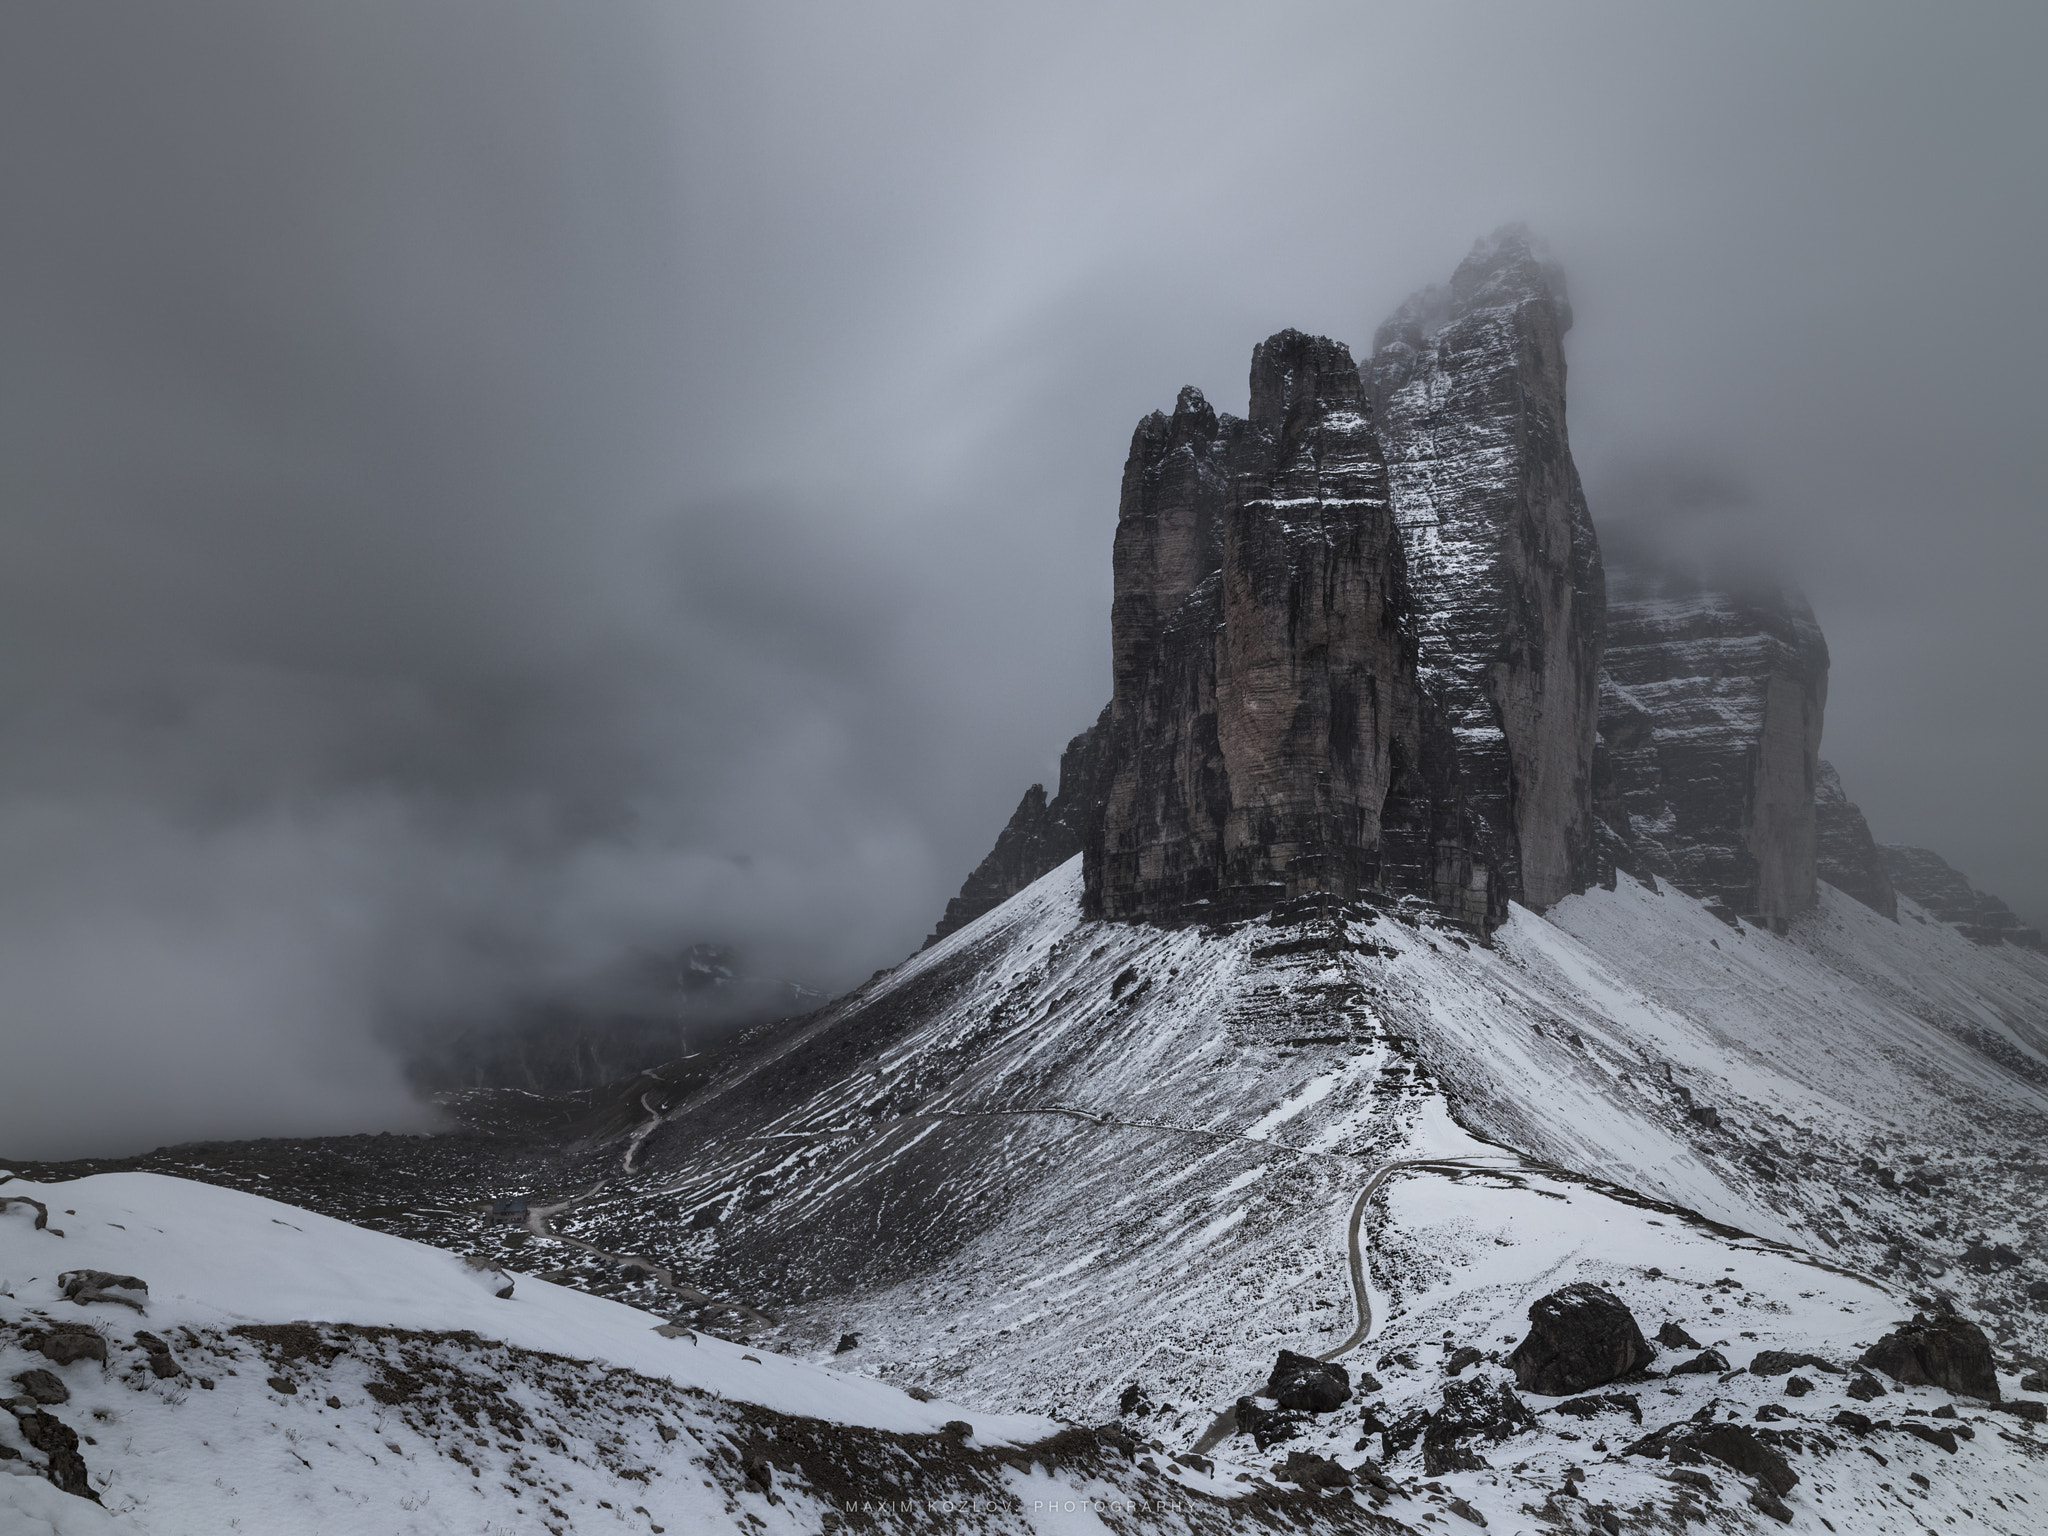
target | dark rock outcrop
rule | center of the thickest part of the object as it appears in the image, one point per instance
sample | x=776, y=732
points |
x=1733, y=1445
x=1848, y=857
x=1938, y=1350
x=1468, y=390
x=1710, y=724
x=1041, y=835
x=1708, y=1362
x=1308, y=1385
x=1780, y=1362
x=1267, y=1426
x=1308, y=1470
x=1580, y=1337
x=67, y=1342
x=58, y=1442
x=1925, y=877
x=1476, y=1410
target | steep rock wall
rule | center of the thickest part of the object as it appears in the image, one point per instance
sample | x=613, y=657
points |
x=1266, y=714
x=1711, y=721
x=1468, y=386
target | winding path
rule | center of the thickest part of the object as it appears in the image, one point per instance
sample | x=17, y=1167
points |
x=540, y=1222
x=1225, y=1423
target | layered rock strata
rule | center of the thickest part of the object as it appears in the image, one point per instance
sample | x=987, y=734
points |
x=1266, y=718
x=1468, y=386
x=1847, y=856
x=1925, y=877
x=1710, y=732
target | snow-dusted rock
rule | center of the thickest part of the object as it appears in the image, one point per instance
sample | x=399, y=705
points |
x=1580, y=1337
x=1939, y=1350
x=1710, y=719
x=1468, y=389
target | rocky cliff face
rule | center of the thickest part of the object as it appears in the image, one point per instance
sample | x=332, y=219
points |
x=1848, y=857
x=1265, y=703
x=1924, y=876
x=1468, y=386
x=1710, y=725
x=1040, y=837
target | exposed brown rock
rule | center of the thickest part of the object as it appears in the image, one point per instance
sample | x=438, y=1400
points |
x=1266, y=711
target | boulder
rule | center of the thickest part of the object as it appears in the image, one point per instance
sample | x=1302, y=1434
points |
x=1671, y=1336
x=1305, y=1384
x=90, y=1285
x=847, y=1342
x=1932, y=1434
x=1309, y=1470
x=44, y=1387
x=1733, y=1445
x=161, y=1362
x=58, y=1442
x=1611, y=1402
x=1778, y=1362
x=1865, y=1389
x=1580, y=1337
x=68, y=1342
x=1766, y=1502
x=1937, y=1350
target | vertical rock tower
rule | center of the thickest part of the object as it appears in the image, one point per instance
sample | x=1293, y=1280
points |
x=1265, y=699
x=1468, y=385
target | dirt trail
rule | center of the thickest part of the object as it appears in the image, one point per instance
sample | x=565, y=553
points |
x=540, y=1219
x=1225, y=1423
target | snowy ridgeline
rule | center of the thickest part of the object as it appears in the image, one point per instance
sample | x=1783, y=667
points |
x=1049, y=1160
x=288, y=1373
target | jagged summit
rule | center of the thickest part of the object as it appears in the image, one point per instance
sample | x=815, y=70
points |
x=1848, y=855
x=1505, y=270
x=1294, y=371
x=1365, y=642
x=1947, y=895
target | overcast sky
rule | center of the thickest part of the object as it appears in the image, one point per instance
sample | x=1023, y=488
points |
x=486, y=489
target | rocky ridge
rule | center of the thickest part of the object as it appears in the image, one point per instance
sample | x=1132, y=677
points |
x=1847, y=855
x=1946, y=893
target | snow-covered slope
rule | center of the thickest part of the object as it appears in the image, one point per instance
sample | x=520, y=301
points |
x=1047, y=1159
x=321, y=1377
